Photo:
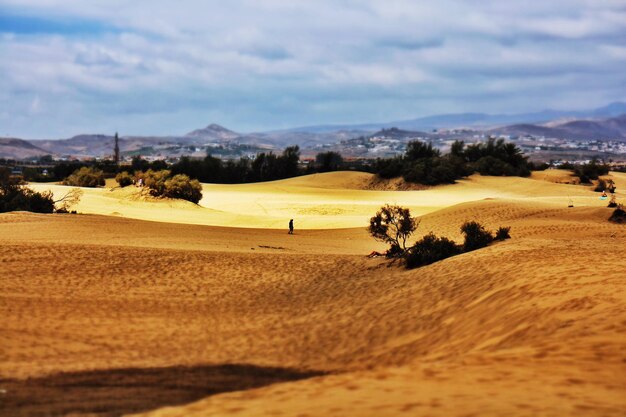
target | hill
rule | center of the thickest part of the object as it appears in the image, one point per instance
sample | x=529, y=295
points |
x=611, y=128
x=85, y=145
x=13, y=148
x=213, y=133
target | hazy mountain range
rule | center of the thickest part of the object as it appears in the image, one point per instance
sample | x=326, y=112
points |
x=475, y=120
x=604, y=123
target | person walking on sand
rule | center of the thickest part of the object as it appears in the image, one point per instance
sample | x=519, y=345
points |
x=291, y=227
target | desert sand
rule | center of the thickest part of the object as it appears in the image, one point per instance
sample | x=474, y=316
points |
x=320, y=201
x=164, y=308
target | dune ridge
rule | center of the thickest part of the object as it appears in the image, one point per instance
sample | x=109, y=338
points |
x=321, y=201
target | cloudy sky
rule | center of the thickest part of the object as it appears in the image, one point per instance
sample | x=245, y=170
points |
x=168, y=67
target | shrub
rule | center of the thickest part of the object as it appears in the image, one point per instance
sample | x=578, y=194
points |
x=424, y=164
x=389, y=168
x=431, y=249
x=71, y=198
x=393, y=225
x=601, y=186
x=124, y=179
x=161, y=184
x=610, y=186
x=590, y=171
x=476, y=236
x=85, y=177
x=613, y=201
x=619, y=215
x=15, y=196
x=431, y=171
x=502, y=233
x=27, y=200
x=416, y=150
x=328, y=161
x=155, y=181
x=538, y=166
x=489, y=165
x=181, y=186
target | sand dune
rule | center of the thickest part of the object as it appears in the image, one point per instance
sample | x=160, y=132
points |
x=535, y=325
x=321, y=201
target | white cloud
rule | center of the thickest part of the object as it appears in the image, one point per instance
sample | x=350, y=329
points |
x=265, y=64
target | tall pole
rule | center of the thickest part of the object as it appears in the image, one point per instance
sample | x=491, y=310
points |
x=117, y=149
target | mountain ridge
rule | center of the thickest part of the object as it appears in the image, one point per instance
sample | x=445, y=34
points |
x=591, y=126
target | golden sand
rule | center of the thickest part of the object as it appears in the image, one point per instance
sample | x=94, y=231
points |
x=535, y=325
x=320, y=201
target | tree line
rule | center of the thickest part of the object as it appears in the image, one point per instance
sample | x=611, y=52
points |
x=424, y=164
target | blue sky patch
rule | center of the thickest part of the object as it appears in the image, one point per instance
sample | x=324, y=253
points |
x=36, y=25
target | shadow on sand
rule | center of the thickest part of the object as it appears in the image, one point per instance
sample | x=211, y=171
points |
x=120, y=391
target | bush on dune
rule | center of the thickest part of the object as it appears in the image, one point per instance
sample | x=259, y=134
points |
x=476, y=236
x=421, y=163
x=502, y=233
x=15, y=196
x=155, y=181
x=25, y=199
x=85, y=177
x=124, y=179
x=619, y=215
x=394, y=225
x=590, y=171
x=431, y=249
x=162, y=184
x=181, y=186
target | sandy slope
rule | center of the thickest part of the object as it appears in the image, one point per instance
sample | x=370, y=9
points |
x=321, y=201
x=532, y=326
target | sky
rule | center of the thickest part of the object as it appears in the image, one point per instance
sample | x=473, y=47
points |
x=163, y=67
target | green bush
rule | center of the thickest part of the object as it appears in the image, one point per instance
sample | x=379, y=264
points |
x=25, y=199
x=389, y=168
x=162, y=184
x=15, y=196
x=181, y=186
x=421, y=163
x=85, y=177
x=155, y=181
x=393, y=225
x=590, y=171
x=430, y=249
x=328, y=161
x=476, y=236
x=124, y=179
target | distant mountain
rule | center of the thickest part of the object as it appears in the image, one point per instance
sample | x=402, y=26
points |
x=280, y=139
x=80, y=145
x=213, y=133
x=13, y=148
x=607, y=122
x=474, y=120
x=611, y=128
x=395, y=133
